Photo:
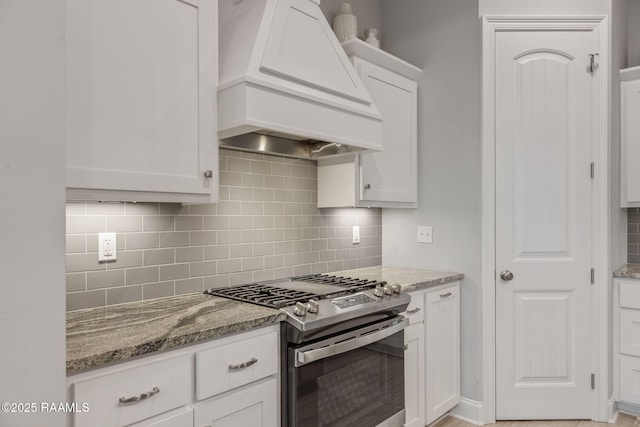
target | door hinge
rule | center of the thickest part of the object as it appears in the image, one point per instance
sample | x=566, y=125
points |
x=593, y=170
x=593, y=381
x=593, y=276
x=593, y=65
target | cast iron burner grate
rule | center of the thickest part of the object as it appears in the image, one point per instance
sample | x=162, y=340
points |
x=268, y=294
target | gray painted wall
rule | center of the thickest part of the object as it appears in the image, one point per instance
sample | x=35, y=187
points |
x=443, y=38
x=633, y=27
x=32, y=180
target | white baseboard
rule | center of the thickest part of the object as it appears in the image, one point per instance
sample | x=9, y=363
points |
x=470, y=411
x=628, y=409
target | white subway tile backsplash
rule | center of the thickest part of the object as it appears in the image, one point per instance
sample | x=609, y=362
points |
x=265, y=226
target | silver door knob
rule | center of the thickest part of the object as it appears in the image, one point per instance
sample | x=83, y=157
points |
x=506, y=275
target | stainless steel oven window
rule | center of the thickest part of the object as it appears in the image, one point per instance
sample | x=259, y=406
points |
x=354, y=379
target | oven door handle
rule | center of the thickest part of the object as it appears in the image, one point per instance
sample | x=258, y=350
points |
x=305, y=357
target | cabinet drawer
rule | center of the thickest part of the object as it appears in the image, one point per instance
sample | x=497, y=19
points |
x=179, y=418
x=172, y=378
x=630, y=332
x=415, y=310
x=630, y=295
x=235, y=364
x=630, y=379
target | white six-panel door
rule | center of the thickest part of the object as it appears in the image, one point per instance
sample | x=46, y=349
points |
x=544, y=115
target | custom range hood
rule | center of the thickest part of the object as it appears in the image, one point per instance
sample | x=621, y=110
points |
x=286, y=85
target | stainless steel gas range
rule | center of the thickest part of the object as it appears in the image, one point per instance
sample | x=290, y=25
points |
x=342, y=348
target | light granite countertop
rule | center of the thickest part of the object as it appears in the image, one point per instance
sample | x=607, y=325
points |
x=104, y=335
x=99, y=336
x=630, y=270
x=409, y=279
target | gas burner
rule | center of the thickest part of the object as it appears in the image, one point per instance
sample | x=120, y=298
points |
x=286, y=292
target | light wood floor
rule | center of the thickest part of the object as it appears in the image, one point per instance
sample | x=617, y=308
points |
x=623, y=421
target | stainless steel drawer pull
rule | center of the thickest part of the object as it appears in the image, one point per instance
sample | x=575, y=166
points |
x=243, y=364
x=447, y=295
x=139, y=397
x=413, y=310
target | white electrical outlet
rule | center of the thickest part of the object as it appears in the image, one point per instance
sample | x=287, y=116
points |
x=425, y=234
x=107, y=249
x=356, y=234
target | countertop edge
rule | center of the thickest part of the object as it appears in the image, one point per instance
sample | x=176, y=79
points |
x=629, y=271
x=433, y=282
x=75, y=366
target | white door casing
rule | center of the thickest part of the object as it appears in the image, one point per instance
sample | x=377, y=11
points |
x=543, y=123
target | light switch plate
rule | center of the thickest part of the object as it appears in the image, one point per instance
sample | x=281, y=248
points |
x=425, y=234
x=107, y=249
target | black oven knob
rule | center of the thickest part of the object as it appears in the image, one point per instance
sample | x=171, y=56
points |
x=300, y=309
x=379, y=291
x=388, y=289
x=312, y=306
x=396, y=288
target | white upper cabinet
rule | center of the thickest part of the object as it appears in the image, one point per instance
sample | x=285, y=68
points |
x=379, y=179
x=141, y=100
x=630, y=191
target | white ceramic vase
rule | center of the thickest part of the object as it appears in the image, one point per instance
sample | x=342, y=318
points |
x=371, y=37
x=345, y=24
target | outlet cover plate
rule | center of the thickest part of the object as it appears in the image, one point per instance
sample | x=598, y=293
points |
x=425, y=234
x=107, y=248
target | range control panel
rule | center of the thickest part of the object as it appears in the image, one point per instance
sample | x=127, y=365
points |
x=351, y=300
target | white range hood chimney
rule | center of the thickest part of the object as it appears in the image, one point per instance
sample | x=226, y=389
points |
x=283, y=73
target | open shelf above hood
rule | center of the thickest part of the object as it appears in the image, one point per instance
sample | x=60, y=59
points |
x=284, y=73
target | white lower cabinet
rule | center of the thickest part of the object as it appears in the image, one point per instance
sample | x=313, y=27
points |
x=442, y=331
x=414, y=378
x=626, y=343
x=237, y=376
x=179, y=418
x=255, y=405
x=432, y=354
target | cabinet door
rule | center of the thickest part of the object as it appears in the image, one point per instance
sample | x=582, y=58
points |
x=391, y=175
x=414, y=380
x=255, y=405
x=141, y=82
x=179, y=418
x=442, y=324
x=631, y=142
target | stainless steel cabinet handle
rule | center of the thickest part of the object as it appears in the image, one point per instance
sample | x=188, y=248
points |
x=447, y=295
x=413, y=310
x=208, y=174
x=367, y=187
x=506, y=275
x=139, y=397
x=243, y=364
x=406, y=347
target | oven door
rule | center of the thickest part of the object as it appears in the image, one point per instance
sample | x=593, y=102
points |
x=351, y=379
